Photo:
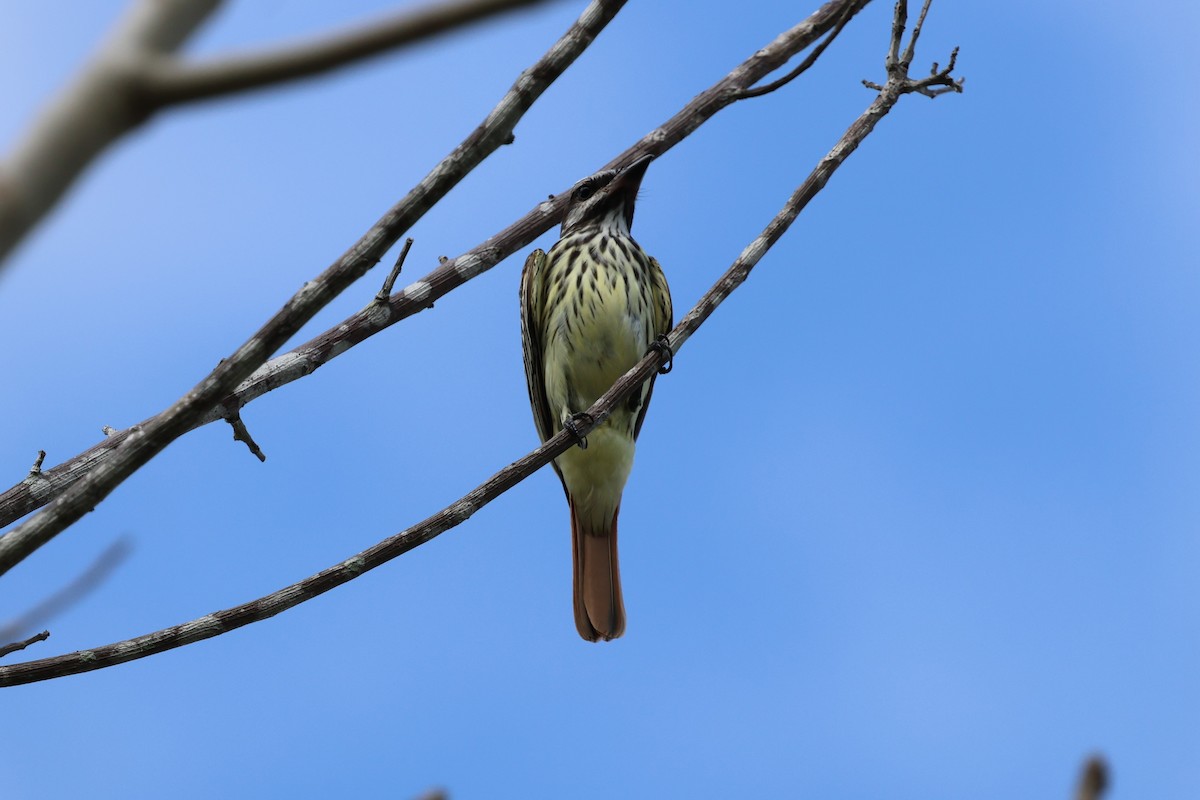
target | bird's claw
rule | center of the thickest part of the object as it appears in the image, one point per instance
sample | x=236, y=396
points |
x=572, y=426
x=662, y=346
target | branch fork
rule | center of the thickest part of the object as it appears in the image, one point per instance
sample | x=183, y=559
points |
x=897, y=63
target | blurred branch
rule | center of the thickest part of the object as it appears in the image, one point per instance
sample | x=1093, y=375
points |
x=72, y=593
x=143, y=442
x=458, y=512
x=168, y=81
x=449, y=275
x=1093, y=779
x=136, y=74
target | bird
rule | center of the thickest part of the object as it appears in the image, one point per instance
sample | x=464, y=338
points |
x=591, y=308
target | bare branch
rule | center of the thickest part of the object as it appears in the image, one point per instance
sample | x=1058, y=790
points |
x=72, y=593
x=451, y=273
x=15, y=646
x=166, y=80
x=146, y=441
x=938, y=82
x=458, y=512
x=135, y=74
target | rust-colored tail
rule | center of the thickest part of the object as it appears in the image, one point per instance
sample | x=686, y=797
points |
x=599, y=610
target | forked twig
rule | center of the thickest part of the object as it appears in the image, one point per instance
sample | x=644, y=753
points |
x=938, y=82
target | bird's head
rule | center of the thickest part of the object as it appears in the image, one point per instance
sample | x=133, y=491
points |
x=606, y=199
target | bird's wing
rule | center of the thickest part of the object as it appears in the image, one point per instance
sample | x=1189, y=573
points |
x=663, y=322
x=533, y=300
x=664, y=319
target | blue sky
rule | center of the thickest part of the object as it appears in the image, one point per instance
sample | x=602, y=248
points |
x=915, y=515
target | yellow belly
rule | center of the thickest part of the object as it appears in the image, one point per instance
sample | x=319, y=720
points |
x=595, y=339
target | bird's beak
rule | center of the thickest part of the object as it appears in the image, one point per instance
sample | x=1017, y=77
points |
x=624, y=188
x=629, y=180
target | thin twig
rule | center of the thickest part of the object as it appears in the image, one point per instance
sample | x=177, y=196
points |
x=305, y=359
x=36, y=469
x=940, y=78
x=458, y=512
x=99, y=571
x=166, y=80
x=907, y=57
x=390, y=281
x=207, y=396
x=15, y=646
x=804, y=65
x=242, y=434
x=899, y=20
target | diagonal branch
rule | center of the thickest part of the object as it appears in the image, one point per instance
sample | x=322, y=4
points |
x=145, y=441
x=136, y=74
x=31, y=494
x=458, y=512
x=166, y=80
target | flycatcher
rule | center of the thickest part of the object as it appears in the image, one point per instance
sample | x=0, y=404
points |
x=590, y=309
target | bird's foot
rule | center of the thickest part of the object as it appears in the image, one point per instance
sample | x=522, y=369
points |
x=572, y=425
x=662, y=346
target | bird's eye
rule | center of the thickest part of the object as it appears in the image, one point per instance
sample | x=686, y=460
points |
x=584, y=192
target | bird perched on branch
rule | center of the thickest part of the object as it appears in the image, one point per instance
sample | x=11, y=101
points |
x=590, y=309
